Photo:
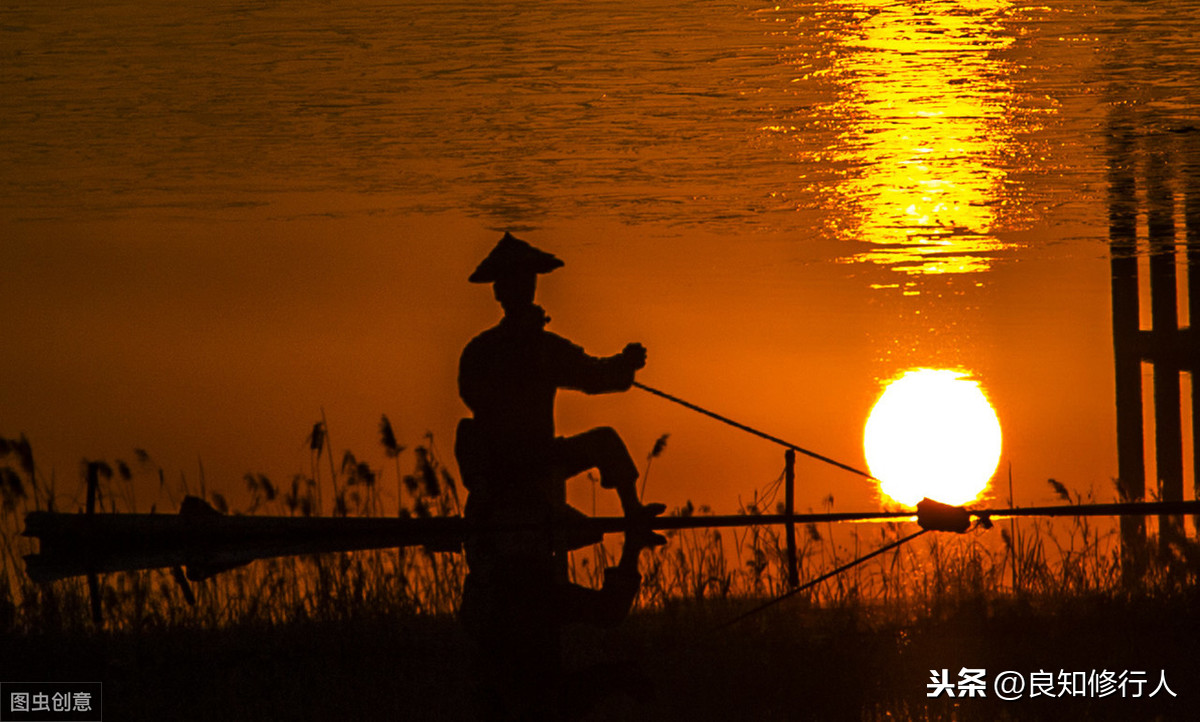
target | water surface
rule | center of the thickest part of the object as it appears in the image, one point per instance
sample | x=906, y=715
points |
x=220, y=218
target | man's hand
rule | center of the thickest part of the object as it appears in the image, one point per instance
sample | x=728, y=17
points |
x=635, y=354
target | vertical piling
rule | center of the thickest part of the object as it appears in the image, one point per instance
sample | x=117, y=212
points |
x=1164, y=312
x=1190, y=177
x=93, y=580
x=93, y=486
x=789, y=508
x=1122, y=220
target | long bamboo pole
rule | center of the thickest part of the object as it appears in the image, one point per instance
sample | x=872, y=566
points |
x=79, y=544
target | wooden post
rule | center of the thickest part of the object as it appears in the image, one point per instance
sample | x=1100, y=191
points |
x=93, y=579
x=93, y=486
x=1122, y=229
x=789, y=509
x=1164, y=311
x=1191, y=179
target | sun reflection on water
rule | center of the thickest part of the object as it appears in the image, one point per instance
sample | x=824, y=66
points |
x=925, y=95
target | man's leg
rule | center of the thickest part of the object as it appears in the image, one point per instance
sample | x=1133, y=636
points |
x=602, y=449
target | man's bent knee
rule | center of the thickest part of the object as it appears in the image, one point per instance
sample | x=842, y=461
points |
x=601, y=449
x=613, y=460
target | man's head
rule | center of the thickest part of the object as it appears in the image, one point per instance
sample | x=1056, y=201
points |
x=516, y=291
x=513, y=267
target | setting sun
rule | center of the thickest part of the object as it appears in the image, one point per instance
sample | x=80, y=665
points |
x=932, y=434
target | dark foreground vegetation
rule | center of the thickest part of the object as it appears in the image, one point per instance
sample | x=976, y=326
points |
x=787, y=664
x=372, y=636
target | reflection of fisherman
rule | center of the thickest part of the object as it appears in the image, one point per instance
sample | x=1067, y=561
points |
x=516, y=596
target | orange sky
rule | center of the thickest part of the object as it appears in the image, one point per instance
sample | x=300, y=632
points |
x=225, y=345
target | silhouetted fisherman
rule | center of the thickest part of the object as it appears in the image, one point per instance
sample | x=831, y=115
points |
x=509, y=375
x=516, y=596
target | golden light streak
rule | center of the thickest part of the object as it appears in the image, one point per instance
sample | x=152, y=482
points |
x=927, y=99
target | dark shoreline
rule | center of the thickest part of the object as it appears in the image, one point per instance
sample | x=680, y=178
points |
x=790, y=663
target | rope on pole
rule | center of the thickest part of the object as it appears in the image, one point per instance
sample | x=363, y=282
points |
x=751, y=430
x=813, y=582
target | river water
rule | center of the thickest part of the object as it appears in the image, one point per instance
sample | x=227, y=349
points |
x=219, y=219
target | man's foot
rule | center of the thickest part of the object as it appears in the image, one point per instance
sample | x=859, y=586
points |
x=641, y=537
x=645, y=511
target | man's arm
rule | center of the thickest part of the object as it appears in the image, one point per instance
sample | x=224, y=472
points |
x=576, y=369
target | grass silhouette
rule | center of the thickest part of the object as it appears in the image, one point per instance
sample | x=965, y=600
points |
x=378, y=625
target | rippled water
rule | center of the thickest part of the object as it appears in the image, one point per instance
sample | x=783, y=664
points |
x=932, y=130
x=219, y=217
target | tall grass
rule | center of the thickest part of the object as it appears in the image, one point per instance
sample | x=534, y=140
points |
x=271, y=591
x=1046, y=562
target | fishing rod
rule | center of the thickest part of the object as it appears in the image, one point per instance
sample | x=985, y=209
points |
x=751, y=430
x=827, y=575
x=934, y=516
x=983, y=515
